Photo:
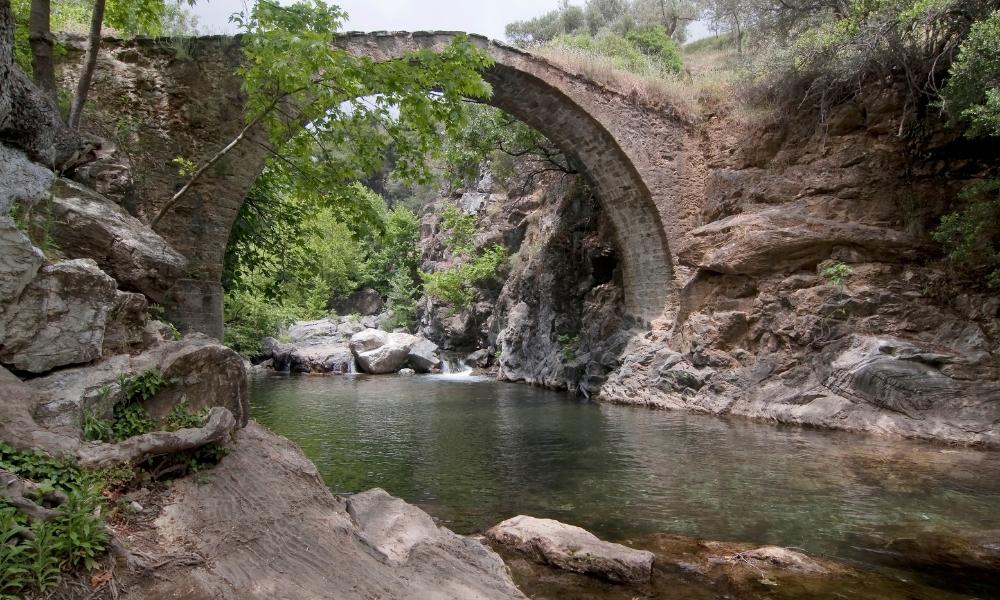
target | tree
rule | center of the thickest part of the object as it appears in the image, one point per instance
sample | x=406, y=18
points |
x=42, y=47
x=733, y=16
x=93, y=46
x=355, y=108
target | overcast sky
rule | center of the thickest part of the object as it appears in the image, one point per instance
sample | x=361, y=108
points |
x=486, y=17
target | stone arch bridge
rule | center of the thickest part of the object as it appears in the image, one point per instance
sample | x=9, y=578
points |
x=634, y=154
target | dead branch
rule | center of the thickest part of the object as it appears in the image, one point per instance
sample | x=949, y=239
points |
x=219, y=426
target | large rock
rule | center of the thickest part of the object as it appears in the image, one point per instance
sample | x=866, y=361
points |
x=378, y=352
x=573, y=549
x=296, y=541
x=207, y=374
x=368, y=340
x=423, y=356
x=85, y=224
x=59, y=318
x=787, y=238
x=365, y=302
x=325, y=358
x=385, y=359
x=22, y=179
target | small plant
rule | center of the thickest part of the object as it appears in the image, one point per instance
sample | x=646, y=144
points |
x=96, y=429
x=455, y=285
x=835, y=272
x=181, y=417
x=144, y=386
x=185, y=167
x=33, y=555
x=131, y=420
x=568, y=345
x=41, y=558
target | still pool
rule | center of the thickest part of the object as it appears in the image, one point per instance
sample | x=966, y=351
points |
x=473, y=452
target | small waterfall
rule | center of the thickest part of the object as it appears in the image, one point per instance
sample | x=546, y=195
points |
x=454, y=366
x=352, y=367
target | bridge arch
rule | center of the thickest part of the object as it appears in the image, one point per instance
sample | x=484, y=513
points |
x=600, y=128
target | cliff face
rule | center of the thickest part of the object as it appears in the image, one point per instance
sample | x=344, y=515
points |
x=809, y=290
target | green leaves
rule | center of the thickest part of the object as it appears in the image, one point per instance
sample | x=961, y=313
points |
x=971, y=236
x=972, y=94
x=456, y=284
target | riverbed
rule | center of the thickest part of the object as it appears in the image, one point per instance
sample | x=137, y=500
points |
x=472, y=452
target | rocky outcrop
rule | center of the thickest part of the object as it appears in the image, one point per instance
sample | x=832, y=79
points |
x=573, y=549
x=798, y=350
x=59, y=318
x=788, y=238
x=296, y=540
x=204, y=373
x=88, y=225
x=366, y=302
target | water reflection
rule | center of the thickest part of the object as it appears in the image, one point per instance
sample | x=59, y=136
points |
x=473, y=452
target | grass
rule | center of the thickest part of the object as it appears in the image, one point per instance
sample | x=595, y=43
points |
x=710, y=71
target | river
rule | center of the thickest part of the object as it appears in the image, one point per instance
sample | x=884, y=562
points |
x=473, y=452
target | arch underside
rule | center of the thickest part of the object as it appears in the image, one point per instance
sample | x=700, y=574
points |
x=530, y=89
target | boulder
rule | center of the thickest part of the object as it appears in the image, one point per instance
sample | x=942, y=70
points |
x=59, y=318
x=423, y=356
x=787, y=238
x=407, y=372
x=478, y=359
x=325, y=358
x=365, y=302
x=367, y=340
x=208, y=374
x=572, y=548
x=385, y=359
x=85, y=224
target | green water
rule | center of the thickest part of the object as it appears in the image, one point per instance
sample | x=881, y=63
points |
x=473, y=452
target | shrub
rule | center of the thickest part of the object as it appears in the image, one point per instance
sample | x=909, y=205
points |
x=456, y=284
x=971, y=236
x=972, y=95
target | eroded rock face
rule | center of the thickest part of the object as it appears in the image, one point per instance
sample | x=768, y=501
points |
x=59, y=318
x=88, y=225
x=572, y=548
x=208, y=374
x=366, y=302
x=786, y=239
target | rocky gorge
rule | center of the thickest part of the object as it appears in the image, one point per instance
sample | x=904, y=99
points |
x=756, y=325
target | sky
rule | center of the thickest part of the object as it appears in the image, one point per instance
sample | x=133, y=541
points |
x=486, y=17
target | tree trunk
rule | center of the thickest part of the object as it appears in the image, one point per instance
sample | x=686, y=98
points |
x=6, y=59
x=93, y=46
x=43, y=68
